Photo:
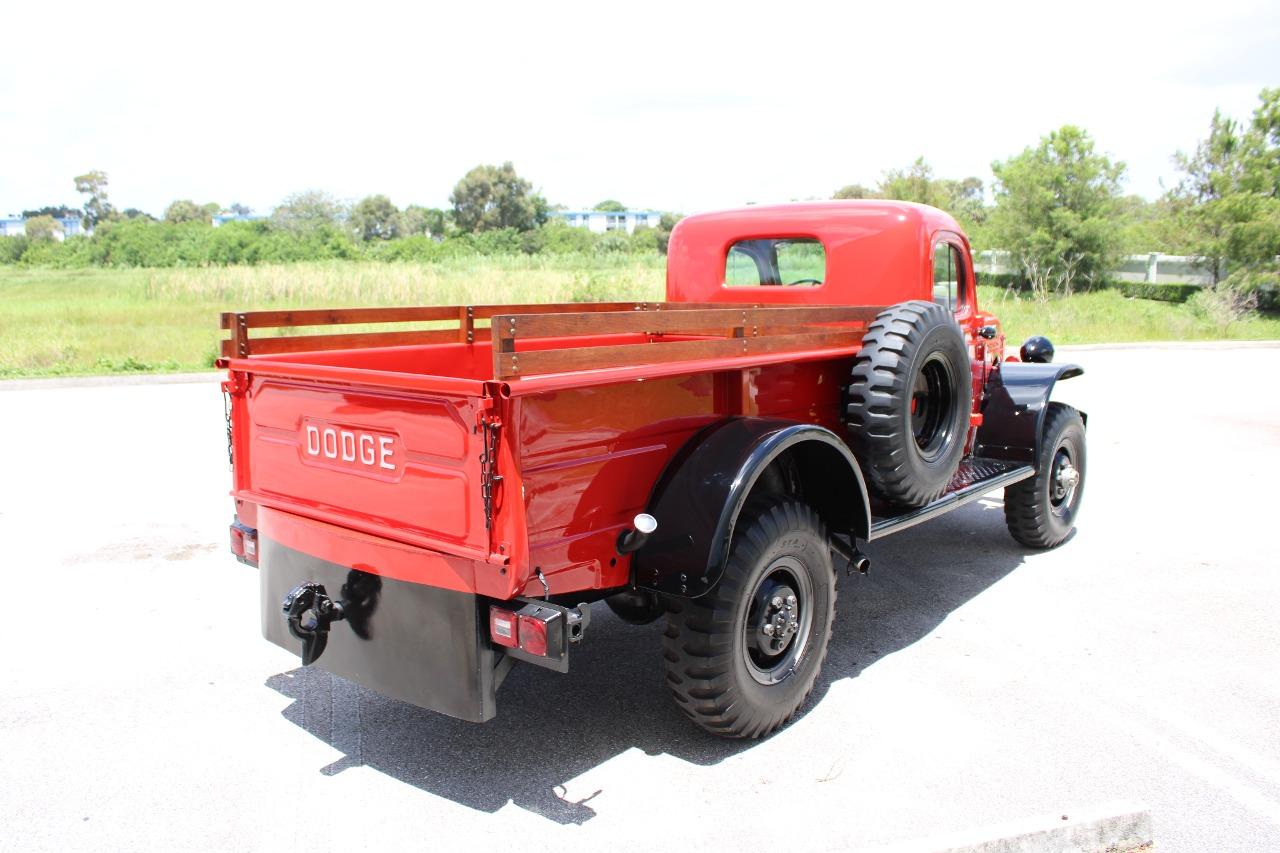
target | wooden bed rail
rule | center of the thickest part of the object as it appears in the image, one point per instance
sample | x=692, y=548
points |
x=671, y=331
x=695, y=331
x=242, y=345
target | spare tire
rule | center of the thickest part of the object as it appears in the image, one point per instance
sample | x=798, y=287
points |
x=909, y=402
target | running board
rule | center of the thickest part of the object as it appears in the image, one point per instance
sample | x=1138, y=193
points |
x=973, y=479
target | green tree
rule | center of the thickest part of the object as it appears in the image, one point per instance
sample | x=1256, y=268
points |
x=186, y=210
x=375, y=218
x=1055, y=209
x=307, y=211
x=666, y=223
x=914, y=183
x=963, y=199
x=495, y=197
x=59, y=212
x=610, y=206
x=240, y=209
x=1229, y=196
x=42, y=229
x=854, y=191
x=97, y=208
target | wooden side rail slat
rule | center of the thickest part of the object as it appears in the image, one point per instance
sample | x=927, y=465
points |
x=752, y=320
x=316, y=343
x=344, y=316
x=513, y=365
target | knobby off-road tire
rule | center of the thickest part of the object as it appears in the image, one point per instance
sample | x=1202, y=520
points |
x=726, y=673
x=909, y=400
x=1041, y=510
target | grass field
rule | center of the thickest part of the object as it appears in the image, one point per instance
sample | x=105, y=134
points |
x=69, y=322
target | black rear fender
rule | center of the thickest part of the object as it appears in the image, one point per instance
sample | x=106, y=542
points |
x=700, y=496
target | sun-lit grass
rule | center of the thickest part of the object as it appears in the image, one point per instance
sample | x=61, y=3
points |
x=56, y=322
x=1108, y=316
x=66, y=322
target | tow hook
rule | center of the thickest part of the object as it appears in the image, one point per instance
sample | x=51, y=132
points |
x=310, y=611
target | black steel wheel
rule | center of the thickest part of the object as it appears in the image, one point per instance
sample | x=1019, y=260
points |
x=742, y=659
x=1041, y=510
x=909, y=401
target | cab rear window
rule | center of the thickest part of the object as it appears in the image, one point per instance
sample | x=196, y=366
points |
x=775, y=262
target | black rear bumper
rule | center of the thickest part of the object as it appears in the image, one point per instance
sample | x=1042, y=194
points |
x=421, y=644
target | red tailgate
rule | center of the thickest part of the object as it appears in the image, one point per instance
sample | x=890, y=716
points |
x=400, y=464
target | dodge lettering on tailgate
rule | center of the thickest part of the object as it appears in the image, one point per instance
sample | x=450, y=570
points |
x=353, y=449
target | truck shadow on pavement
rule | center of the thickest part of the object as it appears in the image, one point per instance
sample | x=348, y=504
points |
x=552, y=728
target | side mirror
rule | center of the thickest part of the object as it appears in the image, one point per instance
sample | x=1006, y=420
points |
x=988, y=332
x=1038, y=350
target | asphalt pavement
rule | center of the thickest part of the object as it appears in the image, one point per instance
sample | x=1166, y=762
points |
x=970, y=682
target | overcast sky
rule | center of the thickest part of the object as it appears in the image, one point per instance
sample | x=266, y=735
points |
x=673, y=106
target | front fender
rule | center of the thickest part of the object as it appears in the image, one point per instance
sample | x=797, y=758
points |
x=699, y=497
x=1013, y=408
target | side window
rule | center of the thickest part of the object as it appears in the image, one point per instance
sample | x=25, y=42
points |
x=948, y=272
x=771, y=261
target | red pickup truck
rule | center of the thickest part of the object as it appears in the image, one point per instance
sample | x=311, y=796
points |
x=428, y=507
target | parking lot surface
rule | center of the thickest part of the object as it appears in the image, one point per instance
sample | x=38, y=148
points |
x=970, y=682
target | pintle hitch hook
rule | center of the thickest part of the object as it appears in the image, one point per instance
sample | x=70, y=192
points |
x=310, y=611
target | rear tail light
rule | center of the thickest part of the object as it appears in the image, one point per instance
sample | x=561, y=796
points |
x=533, y=635
x=244, y=543
x=504, y=627
x=525, y=630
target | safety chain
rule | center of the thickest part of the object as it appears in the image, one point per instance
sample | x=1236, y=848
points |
x=226, y=413
x=489, y=479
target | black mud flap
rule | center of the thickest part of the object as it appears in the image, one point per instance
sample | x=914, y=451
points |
x=420, y=644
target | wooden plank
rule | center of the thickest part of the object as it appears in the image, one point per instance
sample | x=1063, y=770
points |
x=308, y=343
x=513, y=365
x=485, y=312
x=343, y=316
x=754, y=320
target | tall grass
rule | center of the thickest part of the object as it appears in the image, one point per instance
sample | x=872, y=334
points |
x=58, y=322
x=111, y=320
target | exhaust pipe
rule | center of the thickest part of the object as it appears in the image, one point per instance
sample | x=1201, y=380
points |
x=855, y=560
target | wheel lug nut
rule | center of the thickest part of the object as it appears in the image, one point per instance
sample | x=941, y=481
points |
x=791, y=600
x=777, y=601
x=768, y=629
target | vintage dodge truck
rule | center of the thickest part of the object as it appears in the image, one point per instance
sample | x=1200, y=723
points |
x=429, y=506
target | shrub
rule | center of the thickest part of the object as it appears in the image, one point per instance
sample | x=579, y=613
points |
x=12, y=248
x=1223, y=305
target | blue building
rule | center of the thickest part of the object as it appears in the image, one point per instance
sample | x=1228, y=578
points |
x=227, y=216
x=602, y=221
x=14, y=226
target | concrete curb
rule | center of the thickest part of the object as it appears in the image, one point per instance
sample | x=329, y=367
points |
x=1114, y=828
x=110, y=379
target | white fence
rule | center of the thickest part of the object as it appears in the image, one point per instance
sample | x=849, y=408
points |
x=1154, y=268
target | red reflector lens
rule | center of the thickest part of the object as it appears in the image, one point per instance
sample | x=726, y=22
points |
x=502, y=627
x=533, y=635
x=237, y=541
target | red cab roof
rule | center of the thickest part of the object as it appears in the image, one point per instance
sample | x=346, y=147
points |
x=877, y=252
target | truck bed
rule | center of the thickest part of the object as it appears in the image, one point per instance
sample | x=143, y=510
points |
x=521, y=439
